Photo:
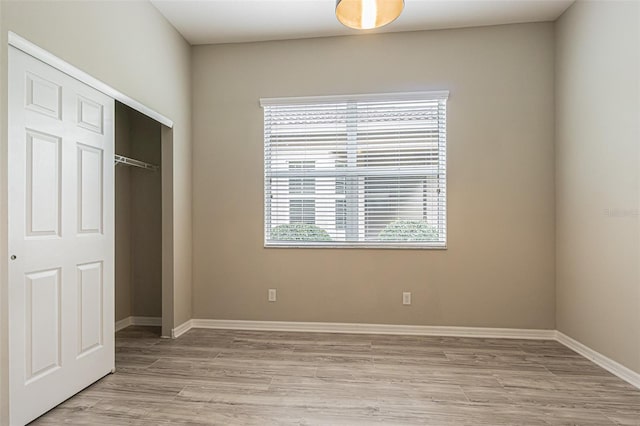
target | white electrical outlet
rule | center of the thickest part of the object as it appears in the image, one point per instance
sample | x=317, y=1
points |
x=406, y=298
x=272, y=295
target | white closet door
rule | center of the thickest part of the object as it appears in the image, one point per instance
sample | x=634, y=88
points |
x=61, y=236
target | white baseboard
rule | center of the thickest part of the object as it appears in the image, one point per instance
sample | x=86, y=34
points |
x=181, y=329
x=122, y=324
x=356, y=328
x=126, y=322
x=608, y=364
x=603, y=361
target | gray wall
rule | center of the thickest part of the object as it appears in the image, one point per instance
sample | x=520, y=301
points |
x=122, y=216
x=138, y=218
x=499, y=268
x=597, y=169
x=146, y=219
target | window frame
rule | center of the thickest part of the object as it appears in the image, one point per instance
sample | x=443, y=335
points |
x=384, y=97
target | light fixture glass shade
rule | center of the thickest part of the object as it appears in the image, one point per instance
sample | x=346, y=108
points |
x=368, y=14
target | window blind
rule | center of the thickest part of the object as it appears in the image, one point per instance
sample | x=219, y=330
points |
x=356, y=171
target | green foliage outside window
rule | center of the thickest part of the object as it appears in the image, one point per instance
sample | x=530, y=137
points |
x=299, y=232
x=408, y=230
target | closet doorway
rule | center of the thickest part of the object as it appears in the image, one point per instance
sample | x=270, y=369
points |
x=138, y=219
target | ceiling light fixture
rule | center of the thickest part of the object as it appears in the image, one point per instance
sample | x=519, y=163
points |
x=368, y=14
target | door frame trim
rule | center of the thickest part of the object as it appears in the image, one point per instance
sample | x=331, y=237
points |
x=52, y=60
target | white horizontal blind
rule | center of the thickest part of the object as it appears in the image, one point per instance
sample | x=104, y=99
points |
x=364, y=171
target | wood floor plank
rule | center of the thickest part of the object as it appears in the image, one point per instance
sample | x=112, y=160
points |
x=230, y=377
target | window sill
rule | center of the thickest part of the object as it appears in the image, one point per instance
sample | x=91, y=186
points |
x=293, y=245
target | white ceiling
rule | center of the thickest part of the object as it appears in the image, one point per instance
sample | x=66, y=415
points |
x=232, y=21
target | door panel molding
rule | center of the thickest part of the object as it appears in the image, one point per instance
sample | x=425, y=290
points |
x=61, y=232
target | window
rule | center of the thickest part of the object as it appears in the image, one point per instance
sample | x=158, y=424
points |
x=356, y=171
x=302, y=185
x=302, y=211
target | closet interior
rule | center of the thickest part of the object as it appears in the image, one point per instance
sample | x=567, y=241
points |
x=138, y=218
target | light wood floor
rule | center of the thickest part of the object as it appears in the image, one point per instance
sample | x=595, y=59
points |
x=265, y=378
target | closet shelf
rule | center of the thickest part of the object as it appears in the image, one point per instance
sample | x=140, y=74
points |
x=120, y=159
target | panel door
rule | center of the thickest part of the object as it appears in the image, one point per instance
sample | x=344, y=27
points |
x=61, y=236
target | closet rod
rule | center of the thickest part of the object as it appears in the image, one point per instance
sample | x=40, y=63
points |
x=120, y=159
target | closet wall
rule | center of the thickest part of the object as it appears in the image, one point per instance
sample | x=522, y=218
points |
x=138, y=217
